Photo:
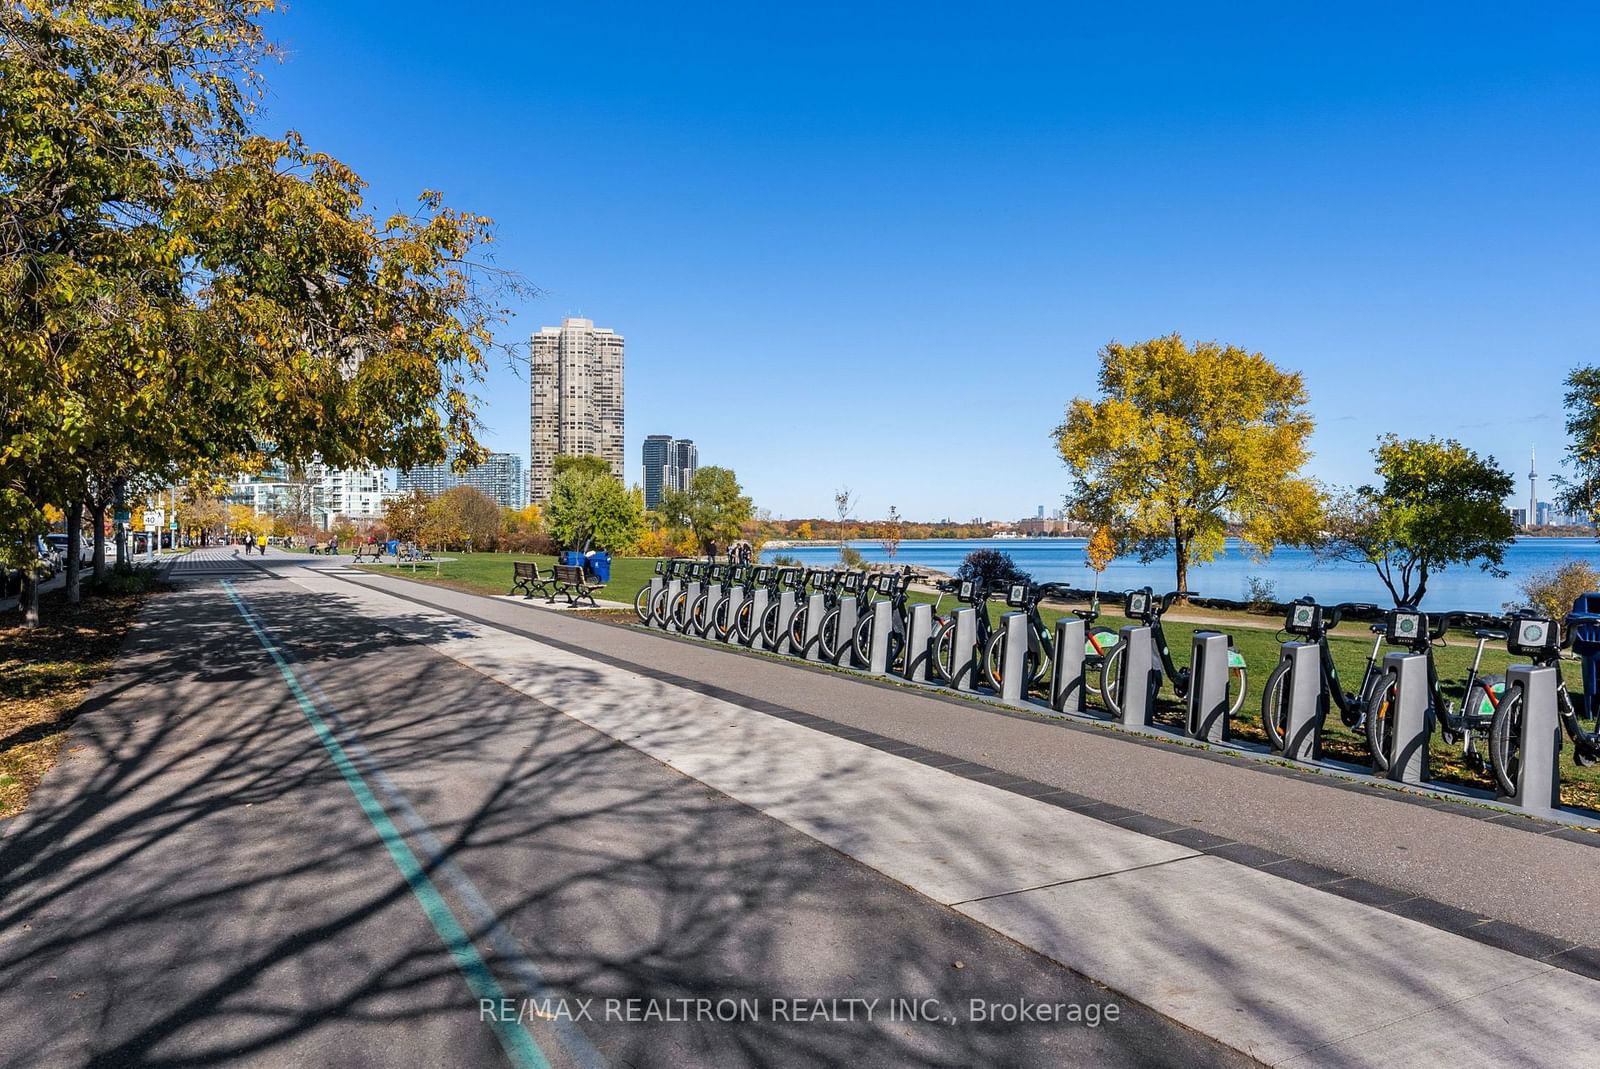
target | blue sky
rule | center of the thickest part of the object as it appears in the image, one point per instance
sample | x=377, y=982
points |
x=879, y=245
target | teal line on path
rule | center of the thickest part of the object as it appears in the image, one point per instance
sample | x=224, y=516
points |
x=514, y=1038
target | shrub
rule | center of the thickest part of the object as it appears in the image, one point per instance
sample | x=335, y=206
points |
x=129, y=579
x=780, y=561
x=850, y=557
x=1551, y=591
x=1261, y=594
x=990, y=567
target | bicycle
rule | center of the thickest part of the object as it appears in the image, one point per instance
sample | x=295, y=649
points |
x=1311, y=622
x=643, y=604
x=1142, y=605
x=943, y=659
x=794, y=579
x=1541, y=641
x=679, y=611
x=897, y=588
x=765, y=575
x=714, y=590
x=723, y=622
x=829, y=641
x=1409, y=627
x=825, y=581
x=1041, y=651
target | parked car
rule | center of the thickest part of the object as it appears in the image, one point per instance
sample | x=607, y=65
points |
x=59, y=543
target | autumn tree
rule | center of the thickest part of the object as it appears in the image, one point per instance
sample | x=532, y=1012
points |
x=183, y=296
x=462, y=515
x=1097, y=555
x=405, y=515
x=1186, y=440
x=1436, y=504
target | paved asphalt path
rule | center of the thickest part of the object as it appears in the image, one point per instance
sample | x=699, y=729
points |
x=1541, y=882
x=282, y=836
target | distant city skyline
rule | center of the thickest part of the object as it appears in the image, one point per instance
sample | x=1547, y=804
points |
x=1397, y=205
x=500, y=476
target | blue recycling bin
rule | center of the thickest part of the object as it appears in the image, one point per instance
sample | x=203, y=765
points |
x=392, y=547
x=571, y=557
x=598, y=564
x=1584, y=626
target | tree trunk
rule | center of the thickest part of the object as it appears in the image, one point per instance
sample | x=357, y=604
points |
x=28, y=596
x=74, y=550
x=1180, y=546
x=97, y=511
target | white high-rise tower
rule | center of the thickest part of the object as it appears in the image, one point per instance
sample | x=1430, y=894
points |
x=1533, y=488
x=576, y=394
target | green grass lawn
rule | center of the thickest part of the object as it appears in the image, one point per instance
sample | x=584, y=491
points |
x=1255, y=636
x=490, y=573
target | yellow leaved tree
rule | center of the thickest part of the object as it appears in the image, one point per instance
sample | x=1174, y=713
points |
x=1187, y=442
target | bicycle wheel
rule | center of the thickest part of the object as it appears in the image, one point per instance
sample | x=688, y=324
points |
x=828, y=635
x=697, y=614
x=1275, y=706
x=797, y=630
x=1239, y=680
x=942, y=652
x=746, y=622
x=1505, y=743
x=641, y=604
x=863, y=639
x=723, y=621
x=659, y=607
x=994, y=655
x=680, y=611
x=1380, y=702
x=770, y=631
x=1110, y=675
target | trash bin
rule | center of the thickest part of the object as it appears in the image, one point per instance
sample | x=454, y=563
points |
x=598, y=565
x=572, y=557
x=1584, y=625
x=392, y=547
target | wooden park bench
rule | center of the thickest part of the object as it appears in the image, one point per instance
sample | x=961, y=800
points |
x=363, y=551
x=526, y=578
x=570, y=580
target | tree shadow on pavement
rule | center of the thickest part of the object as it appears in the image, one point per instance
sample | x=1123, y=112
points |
x=195, y=884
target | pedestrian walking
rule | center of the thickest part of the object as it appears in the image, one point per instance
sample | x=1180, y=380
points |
x=261, y=544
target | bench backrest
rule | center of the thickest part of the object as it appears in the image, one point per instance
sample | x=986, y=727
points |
x=569, y=573
x=525, y=569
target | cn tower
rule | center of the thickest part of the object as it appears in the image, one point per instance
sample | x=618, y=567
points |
x=1533, y=484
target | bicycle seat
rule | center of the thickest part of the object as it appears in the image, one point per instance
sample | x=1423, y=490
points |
x=1085, y=614
x=1378, y=629
x=1485, y=633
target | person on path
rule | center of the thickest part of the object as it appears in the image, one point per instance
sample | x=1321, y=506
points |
x=261, y=544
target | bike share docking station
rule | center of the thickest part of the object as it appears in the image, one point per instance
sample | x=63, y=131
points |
x=789, y=580
x=919, y=644
x=760, y=595
x=1206, y=711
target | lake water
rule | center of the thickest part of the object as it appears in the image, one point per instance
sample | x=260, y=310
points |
x=1293, y=571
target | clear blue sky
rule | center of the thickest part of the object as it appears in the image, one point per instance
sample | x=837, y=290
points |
x=880, y=244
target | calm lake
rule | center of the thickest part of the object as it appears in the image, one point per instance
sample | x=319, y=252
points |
x=1293, y=571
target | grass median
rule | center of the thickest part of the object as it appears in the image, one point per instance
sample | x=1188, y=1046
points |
x=1255, y=636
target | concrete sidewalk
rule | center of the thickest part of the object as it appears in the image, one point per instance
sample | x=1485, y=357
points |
x=1286, y=972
